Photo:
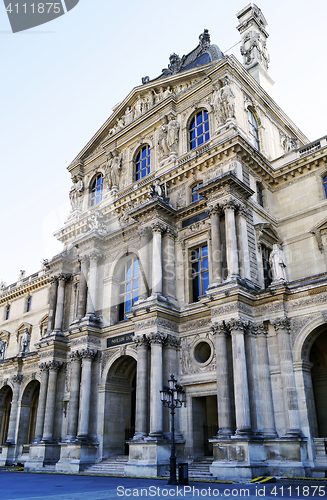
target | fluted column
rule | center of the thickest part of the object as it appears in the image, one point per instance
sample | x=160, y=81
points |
x=82, y=288
x=241, y=388
x=223, y=387
x=156, y=341
x=75, y=377
x=11, y=437
x=52, y=304
x=144, y=233
x=50, y=406
x=169, y=271
x=214, y=213
x=265, y=390
x=87, y=356
x=93, y=281
x=142, y=376
x=231, y=240
x=282, y=327
x=157, y=230
x=42, y=402
x=246, y=271
x=60, y=302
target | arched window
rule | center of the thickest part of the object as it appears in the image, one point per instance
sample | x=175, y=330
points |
x=254, y=130
x=129, y=286
x=324, y=180
x=96, y=190
x=142, y=163
x=199, y=129
x=195, y=195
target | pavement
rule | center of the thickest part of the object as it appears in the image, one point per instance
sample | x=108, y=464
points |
x=36, y=486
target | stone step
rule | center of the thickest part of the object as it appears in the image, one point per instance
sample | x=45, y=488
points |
x=114, y=466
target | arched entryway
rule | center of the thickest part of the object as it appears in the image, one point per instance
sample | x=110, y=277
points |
x=5, y=406
x=318, y=358
x=119, y=415
x=28, y=411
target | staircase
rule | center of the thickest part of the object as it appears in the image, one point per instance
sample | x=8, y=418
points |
x=113, y=466
x=200, y=468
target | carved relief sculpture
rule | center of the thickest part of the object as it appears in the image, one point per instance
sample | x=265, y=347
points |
x=2, y=350
x=76, y=192
x=222, y=102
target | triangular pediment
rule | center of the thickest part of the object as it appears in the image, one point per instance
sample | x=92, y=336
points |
x=267, y=233
x=321, y=227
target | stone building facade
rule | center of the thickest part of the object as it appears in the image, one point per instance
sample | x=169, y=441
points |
x=196, y=245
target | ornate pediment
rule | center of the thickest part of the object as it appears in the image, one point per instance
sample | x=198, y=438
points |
x=267, y=234
x=318, y=230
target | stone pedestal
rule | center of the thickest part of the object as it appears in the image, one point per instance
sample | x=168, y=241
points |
x=244, y=459
x=75, y=457
x=8, y=455
x=150, y=459
x=42, y=454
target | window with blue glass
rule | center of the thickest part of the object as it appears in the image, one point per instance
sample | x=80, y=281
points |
x=129, y=287
x=254, y=130
x=199, y=272
x=142, y=163
x=199, y=129
x=97, y=190
x=324, y=180
x=195, y=195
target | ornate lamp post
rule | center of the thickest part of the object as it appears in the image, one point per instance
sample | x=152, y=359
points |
x=173, y=397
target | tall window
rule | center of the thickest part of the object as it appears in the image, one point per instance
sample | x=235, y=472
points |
x=259, y=194
x=325, y=184
x=142, y=163
x=195, y=195
x=199, y=129
x=97, y=190
x=199, y=272
x=254, y=130
x=7, y=313
x=129, y=287
x=5, y=418
x=267, y=273
x=28, y=304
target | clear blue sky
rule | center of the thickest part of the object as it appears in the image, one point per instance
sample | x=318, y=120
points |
x=59, y=82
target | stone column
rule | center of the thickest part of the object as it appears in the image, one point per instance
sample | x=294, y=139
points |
x=169, y=274
x=144, y=233
x=82, y=288
x=223, y=387
x=265, y=389
x=75, y=376
x=157, y=229
x=156, y=341
x=93, y=281
x=214, y=213
x=241, y=388
x=246, y=271
x=142, y=377
x=60, y=302
x=87, y=356
x=50, y=406
x=52, y=304
x=42, y=402
x=282, y=327
x=11, y=437
x=231, y=240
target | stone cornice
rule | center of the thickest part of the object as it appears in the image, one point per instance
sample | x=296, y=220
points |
x=18, y=291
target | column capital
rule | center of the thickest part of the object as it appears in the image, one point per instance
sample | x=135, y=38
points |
x=243, y=211
x=84, y=259
x=54, y=280
x=158, y=227
x=141, y=341
x=18, y=378
x=55, y=365
x=75, y=356
x=156, y=338
x=43, y=367
x=173, y=341
x=282, y=324
x=230, y=204
x=213, y=210
x=219, y=328
x=87, y=353
x=62, y=278
x=171, y=233
x=257, y=328
x=94, y=256
x=236, y=325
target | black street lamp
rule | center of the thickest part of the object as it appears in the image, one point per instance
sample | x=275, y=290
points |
x=173, y=397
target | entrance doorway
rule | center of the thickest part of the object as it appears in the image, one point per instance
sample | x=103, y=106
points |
x=205, y=418
x=318, y=356
x=5, y=405
x=119, y=420
x=28, y=411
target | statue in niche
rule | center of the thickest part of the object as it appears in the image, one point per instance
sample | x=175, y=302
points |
x=2, y=350
x=288, y=143
x=222, y=102
x=113, y=169
x=277, y=264
x=25, y=342
x=156, y=190
x=173, y=134
x=162, y=141
x=76, y=192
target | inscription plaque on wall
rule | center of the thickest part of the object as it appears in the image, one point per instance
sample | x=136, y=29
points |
x=119, y=340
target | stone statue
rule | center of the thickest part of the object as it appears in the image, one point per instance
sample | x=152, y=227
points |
x=156, y=191
x=25, y=342
x=277, y=264
x=175, y=63
x=2, y=350
x=223, y=102
x=204, y=40
x=96, y=222
x=129, y=115
x=76, y=192
x=162, y=141
x=113, y=169
x=173, y=134
x=288, y=143
x=138, y=107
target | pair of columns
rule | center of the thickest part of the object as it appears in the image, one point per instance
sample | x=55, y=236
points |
x=229, y=208
x=80, y=394
x=44, y=429
x=158, y=276
x=57, y=303
x=12, y=427
x=259, y=382
x=155, y=341
x=87, y=292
